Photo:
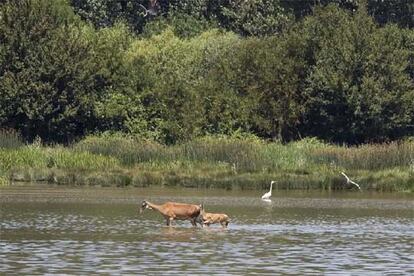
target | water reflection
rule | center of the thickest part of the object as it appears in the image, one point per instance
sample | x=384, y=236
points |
x=82, y=233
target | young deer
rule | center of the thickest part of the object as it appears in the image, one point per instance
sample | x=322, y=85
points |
x=174, y=210
x=211, y=218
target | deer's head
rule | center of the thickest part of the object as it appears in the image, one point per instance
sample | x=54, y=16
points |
x=144, y=205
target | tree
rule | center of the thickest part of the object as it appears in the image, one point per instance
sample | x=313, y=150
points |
x=226, y=108
x=255, y=17
x=183, y=25
x=118, y=104
x=400, y=12
x=166, y=64
x=358, y=78
x=106, y=13
x=388, y=11
x=384, y=106
x=58, y=68
x=188, y=17
x=47, y=80
x=273, y=69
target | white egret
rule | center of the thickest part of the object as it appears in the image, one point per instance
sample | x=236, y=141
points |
x=152, y=8
x=268, y=194
x=349, y=181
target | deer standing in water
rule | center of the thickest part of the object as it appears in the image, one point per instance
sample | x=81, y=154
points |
x=211, y=218
x=173, y=210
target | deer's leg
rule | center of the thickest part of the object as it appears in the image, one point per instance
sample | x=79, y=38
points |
x=170, y=220
x=224, y=224
x=199, y=220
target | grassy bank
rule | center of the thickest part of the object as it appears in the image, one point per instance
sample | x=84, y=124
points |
x=219, y=162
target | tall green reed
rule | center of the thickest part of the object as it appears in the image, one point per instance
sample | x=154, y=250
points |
x=128, y=150
x=252, y=155
x=55, y=157
x=10, y=139
x=366, y=157
x=239, y=154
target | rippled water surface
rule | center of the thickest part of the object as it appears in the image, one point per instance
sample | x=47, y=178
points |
x=48, y=230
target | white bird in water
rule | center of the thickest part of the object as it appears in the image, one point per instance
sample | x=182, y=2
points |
x=349, y=181
x=267, y=195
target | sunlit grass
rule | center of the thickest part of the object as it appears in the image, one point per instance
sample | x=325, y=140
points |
x=127, y=150
x=56, y=157
x=368, y=157
x=225, y=162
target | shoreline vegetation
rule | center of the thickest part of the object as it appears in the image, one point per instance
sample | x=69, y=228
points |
x=228, y=162
x=192, y=93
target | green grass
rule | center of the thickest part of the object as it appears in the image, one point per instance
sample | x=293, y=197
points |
x=56, y=157
x=223, y=162
x=10, y=139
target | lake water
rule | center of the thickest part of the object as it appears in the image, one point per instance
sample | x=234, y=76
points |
x=54, y=230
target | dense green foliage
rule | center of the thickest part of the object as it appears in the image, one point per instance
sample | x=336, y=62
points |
x=254, y=17
x=342, y=71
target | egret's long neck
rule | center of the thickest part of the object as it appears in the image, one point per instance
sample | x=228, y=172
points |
x=271, y=184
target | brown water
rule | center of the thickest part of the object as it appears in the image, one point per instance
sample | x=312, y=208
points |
x=51, y=230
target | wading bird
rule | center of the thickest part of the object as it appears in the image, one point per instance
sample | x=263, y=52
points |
x=349, y=181
x=152, y=8
x=268, y=194
x=173, y=210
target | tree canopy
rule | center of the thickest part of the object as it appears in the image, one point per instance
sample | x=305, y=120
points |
x=339, y=70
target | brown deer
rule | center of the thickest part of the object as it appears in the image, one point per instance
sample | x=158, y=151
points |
x=173, y=210
x=211, y=218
